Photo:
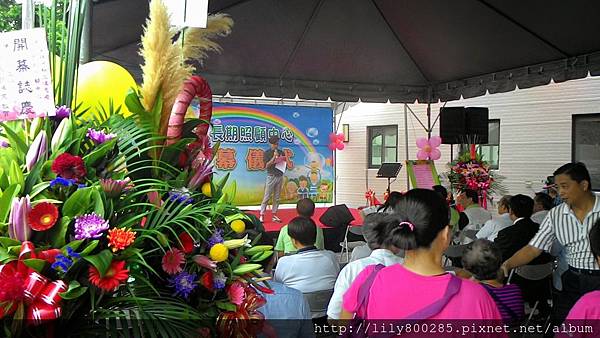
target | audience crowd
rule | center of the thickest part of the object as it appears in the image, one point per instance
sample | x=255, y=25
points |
x=536, y=261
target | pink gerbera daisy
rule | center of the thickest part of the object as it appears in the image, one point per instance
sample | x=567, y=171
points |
x=172, y=261
x=236, y=293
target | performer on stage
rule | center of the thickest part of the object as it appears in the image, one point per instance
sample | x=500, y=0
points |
x=272, y=157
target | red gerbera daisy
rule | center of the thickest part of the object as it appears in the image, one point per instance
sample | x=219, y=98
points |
x=172, y=261
x=69, y=166
x=187, y=242
x=114, y=276
x=43, y=216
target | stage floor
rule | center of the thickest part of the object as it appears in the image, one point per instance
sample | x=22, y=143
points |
x=288, y=214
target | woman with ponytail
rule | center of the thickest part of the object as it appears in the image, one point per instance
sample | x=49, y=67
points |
x=419, y=288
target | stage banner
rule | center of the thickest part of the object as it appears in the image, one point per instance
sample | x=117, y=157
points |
x=244, y=130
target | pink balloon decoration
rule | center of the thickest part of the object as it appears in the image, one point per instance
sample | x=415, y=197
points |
x=340, y=146
x=332, y=137
x=428, y=148
x=332, y=146
x=340, y=137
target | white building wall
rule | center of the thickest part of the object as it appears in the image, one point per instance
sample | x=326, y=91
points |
x=535, y=136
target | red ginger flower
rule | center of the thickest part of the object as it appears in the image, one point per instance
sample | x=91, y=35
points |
x=114, y=276
x=43, y=216
x=69, y=166
x=187, y=242
x=120, y=238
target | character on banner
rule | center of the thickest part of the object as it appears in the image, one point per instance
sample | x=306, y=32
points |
x=275, y=163
x=303, y=187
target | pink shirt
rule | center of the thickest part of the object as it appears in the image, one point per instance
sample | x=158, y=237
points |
x=397, y=293
x=587, y=307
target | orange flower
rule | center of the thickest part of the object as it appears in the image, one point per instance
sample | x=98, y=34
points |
x=114, y=276
x=120, y=238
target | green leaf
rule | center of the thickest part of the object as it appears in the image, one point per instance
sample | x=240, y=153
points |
x=99, y=153
x=78, y=203
x=15, y=175
x=101, y=261
x=6, y=201
x=89, y=248
x=35, y=264
x=75, y=291
x=226, y=306
x=59, y=232
x=98, y=203
x=15, y=140
x=133, y=103
x=38, y=188
x=8, y=242
x=4, y=255
x=74, y=245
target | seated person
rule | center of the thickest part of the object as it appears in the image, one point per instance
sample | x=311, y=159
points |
x=492, y=227
x=518, y=235
x=374, y=231
x=483, y=259
x=305, y=208
x=469, y=200
x=587, y=308
x=286, y=310
x=542, y=203
x=419, y=288
x=310, y=269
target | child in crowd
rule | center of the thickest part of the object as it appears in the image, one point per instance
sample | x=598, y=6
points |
x=419, y=288
x=482, y=259
x=305, y=208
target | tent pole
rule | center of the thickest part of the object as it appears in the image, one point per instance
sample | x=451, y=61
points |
x=406, y=143
x=429, y=113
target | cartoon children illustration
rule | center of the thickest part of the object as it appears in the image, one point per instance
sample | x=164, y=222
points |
x=303, y=187
x=291, y=190
x=313, y=180
x=323, y=191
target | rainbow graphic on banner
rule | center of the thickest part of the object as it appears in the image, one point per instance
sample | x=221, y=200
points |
x=235, y=114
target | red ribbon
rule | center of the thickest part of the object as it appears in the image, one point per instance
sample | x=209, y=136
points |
x=473, y=152
x=246, y=321
x=41, y=295
x=371, y=199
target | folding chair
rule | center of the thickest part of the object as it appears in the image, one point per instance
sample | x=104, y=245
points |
x=318, y=302
x=534, y=273
x=349, y=246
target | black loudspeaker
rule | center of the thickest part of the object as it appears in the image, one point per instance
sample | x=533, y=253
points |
x=477, y=124
x=337, y=216
x=464, y=125
x=452, y=124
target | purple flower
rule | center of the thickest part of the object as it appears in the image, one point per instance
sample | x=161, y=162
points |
x=114, y=188
x=219, y=280
x=62, y=112
x=90, y=226
x=37, y=150
x=217, y=237
x=4, y=144
x=180, y=195
x=184, y=283
x=99, y=136
x=18, y=227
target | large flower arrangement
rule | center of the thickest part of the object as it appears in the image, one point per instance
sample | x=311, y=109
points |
x=117, y=223
x=471, y=172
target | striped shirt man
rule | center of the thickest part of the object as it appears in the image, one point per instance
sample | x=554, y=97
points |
x=562, y=224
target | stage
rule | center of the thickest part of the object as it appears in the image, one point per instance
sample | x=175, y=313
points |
x=288, y=214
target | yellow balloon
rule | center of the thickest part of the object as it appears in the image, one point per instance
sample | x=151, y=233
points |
x=100, y=81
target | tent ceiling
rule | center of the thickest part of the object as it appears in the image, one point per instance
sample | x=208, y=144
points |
x=377, y=50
